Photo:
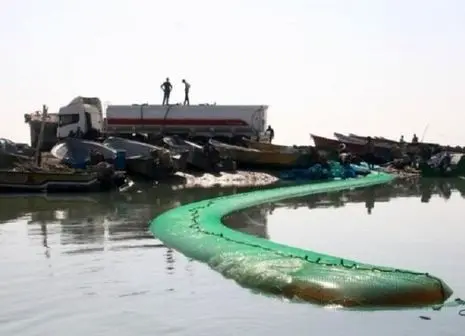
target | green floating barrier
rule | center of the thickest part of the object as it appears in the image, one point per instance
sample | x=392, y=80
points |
x=196, y=230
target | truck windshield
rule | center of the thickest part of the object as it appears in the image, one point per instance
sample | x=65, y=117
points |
x=68, y=119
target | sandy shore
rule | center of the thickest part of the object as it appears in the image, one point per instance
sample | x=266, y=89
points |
x=408, y=173
x=250, y=178
x=223, y=179
x=239, y=178
x=254, y=178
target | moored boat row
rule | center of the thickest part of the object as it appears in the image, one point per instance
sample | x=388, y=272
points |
x=90, y=165
x=75, y=158
x=432, y=160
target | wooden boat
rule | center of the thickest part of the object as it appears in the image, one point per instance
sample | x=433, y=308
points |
x=347, y=138
x=25, y=149
x=197, y=156
x=378, y=142
x=269, y=147
x=70, y=181
x=154, y=162
x=10, y=160
x=249, y=157
x=409, y=146
x=10, y=154
x=76, y=152
x=332, y=145
x=444, y=164
x=375, y=138
x=79, y=153
x=9, y=146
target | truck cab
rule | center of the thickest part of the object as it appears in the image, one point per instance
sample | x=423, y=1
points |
x=83, y=116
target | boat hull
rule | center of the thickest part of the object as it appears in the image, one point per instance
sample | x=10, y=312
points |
x=247, y=157
x=410, y=148
x=14, y=181
x=382, y=154
x=74, y=151
x=269, y=147
x=196, y=156
x=147, y=168
x=455, y=169
x=147, y=161
x=377, y=141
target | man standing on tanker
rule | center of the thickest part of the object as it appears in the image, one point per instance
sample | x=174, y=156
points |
x=166, y=87
x=187, y=87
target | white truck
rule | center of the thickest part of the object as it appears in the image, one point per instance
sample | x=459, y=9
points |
x=85, y=116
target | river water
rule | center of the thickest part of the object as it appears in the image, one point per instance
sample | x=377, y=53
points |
x=89, y=266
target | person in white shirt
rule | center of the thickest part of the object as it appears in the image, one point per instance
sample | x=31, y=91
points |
x=187, y=87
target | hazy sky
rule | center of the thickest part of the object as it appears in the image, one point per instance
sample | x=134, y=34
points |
x=380, y=67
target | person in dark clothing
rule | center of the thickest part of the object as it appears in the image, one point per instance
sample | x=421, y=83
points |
x=79, y=133
x=343, y=154
x=415, y=139
x=187, y=88
x=166, y=87
x=370, y=153
x=270, y=133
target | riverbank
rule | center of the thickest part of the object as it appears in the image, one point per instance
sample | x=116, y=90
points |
x=406, y=173
x=191, y=179
x=244, y=178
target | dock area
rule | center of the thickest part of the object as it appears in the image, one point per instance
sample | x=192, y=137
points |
x=85, y=165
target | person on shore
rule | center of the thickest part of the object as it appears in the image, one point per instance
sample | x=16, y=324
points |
x=166, y=87
x=400, y=159
x=79, y=132
x=397, y=152
x=270, y=133
x=401, y=139
x=343, y=154
x=187, y=88
x=415, y=139
x=370, y=153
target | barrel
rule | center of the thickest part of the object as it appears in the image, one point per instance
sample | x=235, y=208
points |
x=120, y=160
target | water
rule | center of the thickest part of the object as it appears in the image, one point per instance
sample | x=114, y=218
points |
x=89, y=266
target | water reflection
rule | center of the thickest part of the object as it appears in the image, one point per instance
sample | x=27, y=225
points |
x=80, y=263
x=93, y=224
x=424, y=189
x=100, y=222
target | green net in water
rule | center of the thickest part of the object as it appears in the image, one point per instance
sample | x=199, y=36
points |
x=196, y=230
